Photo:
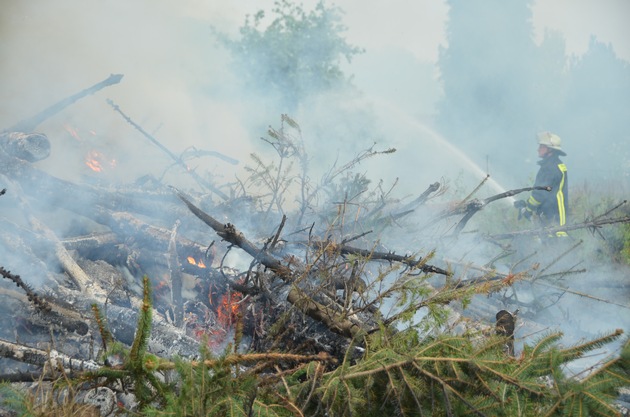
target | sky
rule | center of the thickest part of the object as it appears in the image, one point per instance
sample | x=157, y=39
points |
x=378, y=24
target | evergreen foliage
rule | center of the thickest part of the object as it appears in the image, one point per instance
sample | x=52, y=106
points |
x=138, y=369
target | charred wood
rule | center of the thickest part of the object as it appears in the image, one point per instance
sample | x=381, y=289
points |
x=229, y=233
x=127, y=227
x=55, y=361
x=174, y=269
x=28, y=377
x=410, y=261
x=335, y=322
x=505, y=325
x=88, y=201
x=54, y=314
x=30, y=147
x=422, y=198
x=166, y=340
x=475, y=205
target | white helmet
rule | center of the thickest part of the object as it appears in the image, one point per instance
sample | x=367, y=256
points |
x=551, y=140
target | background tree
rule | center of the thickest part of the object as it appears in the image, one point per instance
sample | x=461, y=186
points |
x=487, y=75
x=596, y=109
x=500, y=88
x=299, y=53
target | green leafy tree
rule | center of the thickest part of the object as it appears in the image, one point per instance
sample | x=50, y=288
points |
x=297, y=54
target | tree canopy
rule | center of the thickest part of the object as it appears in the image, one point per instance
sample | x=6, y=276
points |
x=297, y=54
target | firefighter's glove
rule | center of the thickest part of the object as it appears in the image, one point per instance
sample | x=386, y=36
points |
x=523, y=210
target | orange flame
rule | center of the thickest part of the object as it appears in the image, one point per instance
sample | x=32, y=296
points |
x=73, y=132
x=96, y=161
x=229, y=308
x=192, y=261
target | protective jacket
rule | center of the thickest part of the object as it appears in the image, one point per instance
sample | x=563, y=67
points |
x=552, y=207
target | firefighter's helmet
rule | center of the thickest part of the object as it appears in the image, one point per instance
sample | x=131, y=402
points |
x=551, y=140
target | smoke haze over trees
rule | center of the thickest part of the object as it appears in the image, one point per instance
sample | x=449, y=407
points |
x=298, y=54
x=500, y=88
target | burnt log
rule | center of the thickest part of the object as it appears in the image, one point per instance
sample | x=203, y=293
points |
x=31, y=147
x=57, y=361
x=55, y=314
x=89, y=201
x=166, y=340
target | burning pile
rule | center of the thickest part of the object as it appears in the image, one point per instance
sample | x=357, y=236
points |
x=116, y=236
x=127, y=250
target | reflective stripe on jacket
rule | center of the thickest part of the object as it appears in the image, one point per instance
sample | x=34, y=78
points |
x=551, y=206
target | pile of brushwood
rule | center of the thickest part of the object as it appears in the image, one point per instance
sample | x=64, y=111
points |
x=319, y=318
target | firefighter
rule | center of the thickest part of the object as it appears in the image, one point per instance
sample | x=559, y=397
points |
x=550, y=207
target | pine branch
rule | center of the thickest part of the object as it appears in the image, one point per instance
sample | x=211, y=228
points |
x=143, y=331
x=579, y=350
x=106, y=335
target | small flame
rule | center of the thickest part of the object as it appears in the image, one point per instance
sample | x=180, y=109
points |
x=229, y=308
x=192, y=261
x=74, y=132
x=97, y=161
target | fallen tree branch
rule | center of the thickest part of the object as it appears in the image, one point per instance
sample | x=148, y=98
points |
x=28, y=125
x=410, y=261
x=589, y=224
x=52, y=358
x=476, y=205
x=334, y=321
x=237, y=359
x=229, y=233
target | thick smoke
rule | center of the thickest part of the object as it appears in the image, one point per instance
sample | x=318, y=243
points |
x=179, y=86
